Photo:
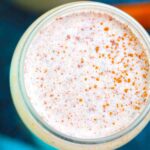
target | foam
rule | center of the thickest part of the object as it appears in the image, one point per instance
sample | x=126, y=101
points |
x=86, y=74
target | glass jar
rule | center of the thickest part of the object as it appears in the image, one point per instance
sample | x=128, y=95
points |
x=31, y=118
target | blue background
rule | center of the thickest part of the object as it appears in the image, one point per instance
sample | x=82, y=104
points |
x=13, y=134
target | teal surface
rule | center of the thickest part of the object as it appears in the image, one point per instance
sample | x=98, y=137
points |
x=13, y=22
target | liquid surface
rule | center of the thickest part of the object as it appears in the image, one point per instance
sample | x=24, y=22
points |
x=86, y=74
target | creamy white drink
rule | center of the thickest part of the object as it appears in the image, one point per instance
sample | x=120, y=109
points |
x=86, y=74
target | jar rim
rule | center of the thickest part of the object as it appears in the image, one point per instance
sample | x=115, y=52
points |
x=53, y=13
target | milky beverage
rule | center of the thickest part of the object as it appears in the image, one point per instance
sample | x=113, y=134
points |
x=86, y=74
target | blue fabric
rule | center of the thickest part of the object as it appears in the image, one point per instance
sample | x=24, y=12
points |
x=11, y=144
x=13, y=22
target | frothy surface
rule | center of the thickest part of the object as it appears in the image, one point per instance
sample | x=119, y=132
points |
x=86, y=74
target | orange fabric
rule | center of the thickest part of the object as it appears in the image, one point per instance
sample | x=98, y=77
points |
x=140, y=11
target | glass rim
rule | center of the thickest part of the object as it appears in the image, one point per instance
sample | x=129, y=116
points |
x=52, y=14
